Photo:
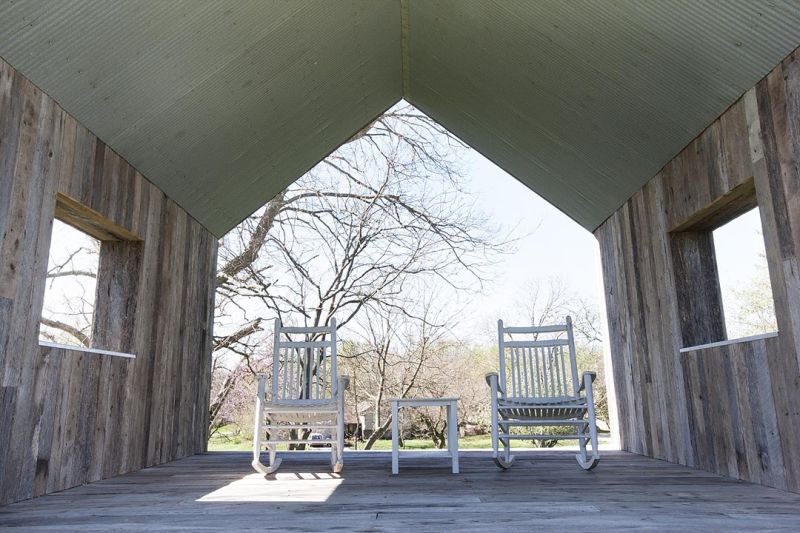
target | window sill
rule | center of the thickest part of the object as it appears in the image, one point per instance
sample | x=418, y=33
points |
x=740, y=340
x=96, y=351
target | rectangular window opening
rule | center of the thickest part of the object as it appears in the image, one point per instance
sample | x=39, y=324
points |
x=722, y=282
x=744, y=281
x=70, y=289
x=91, y=285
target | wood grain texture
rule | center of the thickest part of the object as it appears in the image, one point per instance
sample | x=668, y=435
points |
x=698, y=293
x=735, y=409
x=220, y=491
x=89, y=221
x=732, y=408
x=70, y=417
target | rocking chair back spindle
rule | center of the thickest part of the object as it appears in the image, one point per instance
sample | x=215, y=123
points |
x=538, y=363
x=304, y=364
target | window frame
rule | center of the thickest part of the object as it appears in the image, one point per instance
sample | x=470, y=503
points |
x=117, y=283
x=696, y=273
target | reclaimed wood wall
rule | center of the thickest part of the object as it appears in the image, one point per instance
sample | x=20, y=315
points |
x=68, y=417
x=734, y=409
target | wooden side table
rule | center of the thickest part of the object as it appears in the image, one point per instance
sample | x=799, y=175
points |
x=452, y=426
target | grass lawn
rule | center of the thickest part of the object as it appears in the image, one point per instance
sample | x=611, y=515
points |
x=464, y=443
x=228, y=441
x=223, y=441
x=231, y=443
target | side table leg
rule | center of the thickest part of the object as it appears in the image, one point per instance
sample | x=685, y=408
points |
x=452, y=433
x=395, y=448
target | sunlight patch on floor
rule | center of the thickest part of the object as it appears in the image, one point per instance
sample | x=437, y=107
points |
x=281, y=487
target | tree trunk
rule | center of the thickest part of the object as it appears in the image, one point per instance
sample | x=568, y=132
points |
x=380, y=432
x=376, y=420
x=219, y=400
x=250, y=253
x=440, y=438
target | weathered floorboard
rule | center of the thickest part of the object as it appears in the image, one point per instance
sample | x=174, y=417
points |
x=545, y=491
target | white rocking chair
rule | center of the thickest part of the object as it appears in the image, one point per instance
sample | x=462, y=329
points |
x=538, y=386
x=307, y=397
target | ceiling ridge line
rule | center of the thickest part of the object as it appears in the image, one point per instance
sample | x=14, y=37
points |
x=404, y=29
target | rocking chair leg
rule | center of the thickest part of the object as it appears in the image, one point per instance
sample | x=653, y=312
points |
x=257, y=450
x=495, y=436
x=273, y=454
x=593, y=433
x=507, y=450
x=584, y=460
x=257, y=431
x=274, y=462
x=337, y=449
x=582, y=443
x=587, y=463
x=593, y=437
x=337, y=464
x=495, y=444
x=507, y=459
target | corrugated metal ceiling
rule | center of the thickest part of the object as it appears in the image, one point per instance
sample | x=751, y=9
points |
x=220, y=104
x=223, y=103
x=584, y=101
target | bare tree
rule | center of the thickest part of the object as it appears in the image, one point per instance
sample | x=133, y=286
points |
x=70, y=291
x=448, y=376
x=395, y=358
x=751, y=306
x=354, y=235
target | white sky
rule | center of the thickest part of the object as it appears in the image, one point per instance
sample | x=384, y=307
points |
x=70, y=299
x=741, y=257
x=739, y=245
x=553, y=246
x=557, y=247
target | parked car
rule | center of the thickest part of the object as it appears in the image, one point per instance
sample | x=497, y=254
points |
x=316, y=437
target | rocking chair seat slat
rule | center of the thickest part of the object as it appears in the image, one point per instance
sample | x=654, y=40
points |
x=300, y=414
x=541, y=412
x=311, y=405
x=536, y=401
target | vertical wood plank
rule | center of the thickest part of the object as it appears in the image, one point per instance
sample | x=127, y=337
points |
x=70, y=417
x=733, y=410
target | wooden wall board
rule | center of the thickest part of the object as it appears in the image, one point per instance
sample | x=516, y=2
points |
x=70, y=417
x=733, y=409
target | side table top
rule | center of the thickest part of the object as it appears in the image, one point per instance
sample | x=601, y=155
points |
x=432, y=401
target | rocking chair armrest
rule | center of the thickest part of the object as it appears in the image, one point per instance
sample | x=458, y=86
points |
x=261, y=380
x=592, y=375
x=494, y=376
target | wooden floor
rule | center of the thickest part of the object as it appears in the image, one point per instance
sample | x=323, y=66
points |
x=544, y=491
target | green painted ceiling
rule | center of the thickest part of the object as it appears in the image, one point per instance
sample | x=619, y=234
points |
x=224, y=103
